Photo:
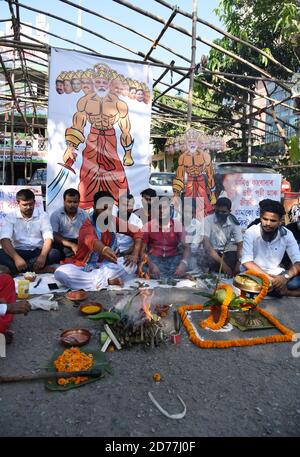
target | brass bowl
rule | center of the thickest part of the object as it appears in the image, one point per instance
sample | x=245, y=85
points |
x=252, y=288
x=75, y=337
x=84, y=308
x=76, y=295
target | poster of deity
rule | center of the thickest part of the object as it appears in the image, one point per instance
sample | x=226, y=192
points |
x=98, y=126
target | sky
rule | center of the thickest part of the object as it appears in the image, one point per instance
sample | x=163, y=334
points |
x=173, y=39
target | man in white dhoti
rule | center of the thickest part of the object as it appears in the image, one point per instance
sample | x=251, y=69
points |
x=96, y=265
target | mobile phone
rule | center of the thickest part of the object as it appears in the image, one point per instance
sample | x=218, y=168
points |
x=53, y=286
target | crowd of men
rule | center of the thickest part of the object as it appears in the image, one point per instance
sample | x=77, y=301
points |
x=91, y=250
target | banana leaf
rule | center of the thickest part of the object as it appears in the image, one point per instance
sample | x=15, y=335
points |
x=109, y=316
x=100, y=362
x=204, y=294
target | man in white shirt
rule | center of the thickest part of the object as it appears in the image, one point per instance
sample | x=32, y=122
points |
x=26, y=237
x=264, y=247
x=66, y=223
x=126, y=215
x=223, y=239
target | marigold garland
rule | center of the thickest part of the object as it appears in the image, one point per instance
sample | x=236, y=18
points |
x=209, y=322
x=265, y=284
x=287, y=334
x=73, y=360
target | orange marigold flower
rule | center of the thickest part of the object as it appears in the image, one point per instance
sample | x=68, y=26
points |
x=156, y=377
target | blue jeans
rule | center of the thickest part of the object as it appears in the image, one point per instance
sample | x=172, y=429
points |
x=294, y=283
x=166, y=265
x=30, y=257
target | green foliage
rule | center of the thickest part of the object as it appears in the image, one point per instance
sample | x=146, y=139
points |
x=294, y=149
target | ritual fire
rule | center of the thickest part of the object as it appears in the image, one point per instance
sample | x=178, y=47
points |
x=141, y=320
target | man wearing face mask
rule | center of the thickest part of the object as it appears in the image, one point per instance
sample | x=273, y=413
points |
x=222, y=239
x=264, y=247
x=95, y=264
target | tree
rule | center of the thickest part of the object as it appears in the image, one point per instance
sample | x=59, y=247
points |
x=270, y=25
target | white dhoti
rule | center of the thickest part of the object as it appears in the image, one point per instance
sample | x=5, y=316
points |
x=76, y=278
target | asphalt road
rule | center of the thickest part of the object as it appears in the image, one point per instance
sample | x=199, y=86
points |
x=249, y=391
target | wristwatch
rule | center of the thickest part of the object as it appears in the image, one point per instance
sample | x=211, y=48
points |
x=287, y=276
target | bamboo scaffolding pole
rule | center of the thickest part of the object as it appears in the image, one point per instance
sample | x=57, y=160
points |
x=124, y=26
x=64, y=39
x=250, y=91
x=228, y=35
x=163, y=74
x=172, y=86
x=66, y=21
x=198, y=38
x=12, y=89
x=16, y=28
x=164, y=29
x=235, y=97
x=193, y=60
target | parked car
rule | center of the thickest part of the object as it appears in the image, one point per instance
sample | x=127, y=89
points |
x=161, y=182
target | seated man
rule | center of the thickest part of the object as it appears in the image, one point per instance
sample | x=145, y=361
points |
x=264, y=247
x=145, y=213
x=223, y=239
x=26, y=237
x=66, y=222
x=95, y=264
x=8, y=305
x=162, y=238
x=126, y=215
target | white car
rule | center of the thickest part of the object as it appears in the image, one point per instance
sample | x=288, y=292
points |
x=162, y=182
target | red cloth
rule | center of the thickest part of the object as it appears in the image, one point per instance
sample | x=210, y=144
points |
x=163, y=244
x=88, y=236
x=7, y=295
x=101, y=167
x=196, y=187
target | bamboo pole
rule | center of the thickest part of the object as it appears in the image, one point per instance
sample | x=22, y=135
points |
x=193, y=58
x=249, y=146
x=163, y=74
x=165, y=27
x=66, y=21
x=202, y=40
x=250, y=91
x=229, y=35
x=124, y=26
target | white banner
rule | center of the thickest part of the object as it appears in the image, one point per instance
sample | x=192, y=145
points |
x=98, y=126
x=246, y=190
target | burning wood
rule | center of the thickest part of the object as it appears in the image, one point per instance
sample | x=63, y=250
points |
x=138, y=324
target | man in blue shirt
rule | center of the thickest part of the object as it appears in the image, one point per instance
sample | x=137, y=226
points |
x=66, y=222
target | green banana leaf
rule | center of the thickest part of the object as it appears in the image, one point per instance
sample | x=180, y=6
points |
x=100, y=362
x=109, y=316
x=204, y=294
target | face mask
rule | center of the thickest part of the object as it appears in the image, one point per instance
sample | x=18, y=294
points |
x=222, y=218
x=298, y=225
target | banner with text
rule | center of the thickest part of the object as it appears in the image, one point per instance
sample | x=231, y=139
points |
x=246, y=190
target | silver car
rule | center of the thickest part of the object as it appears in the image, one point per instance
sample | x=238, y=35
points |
x=161, y=182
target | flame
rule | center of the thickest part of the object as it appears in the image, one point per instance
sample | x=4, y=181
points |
x=141, y=273
x=147, y=295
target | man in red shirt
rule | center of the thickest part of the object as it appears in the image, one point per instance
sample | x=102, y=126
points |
x=96, y=264
x=162, y=239
x=8, y=305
